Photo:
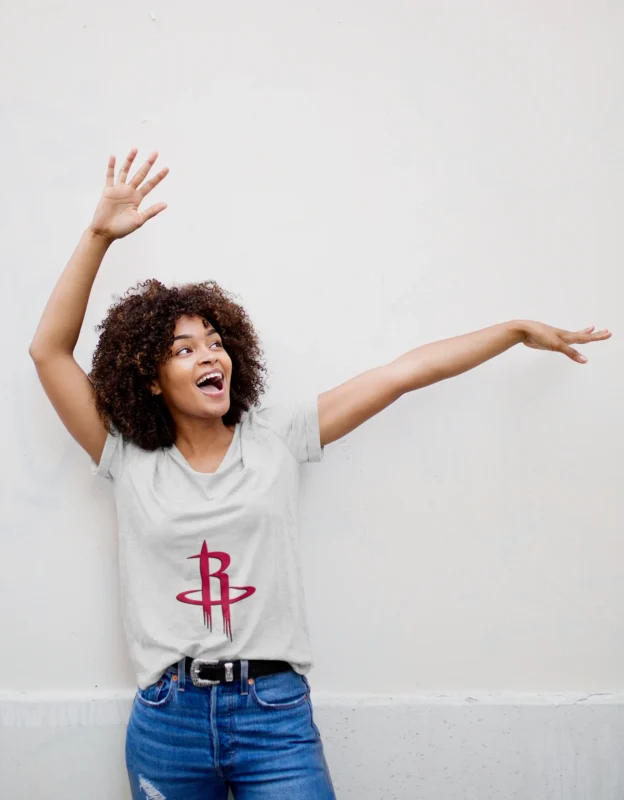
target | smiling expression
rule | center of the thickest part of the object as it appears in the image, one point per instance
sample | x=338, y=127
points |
x=195, y=379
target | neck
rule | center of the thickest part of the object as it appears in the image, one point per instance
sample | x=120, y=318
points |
x=198, y=437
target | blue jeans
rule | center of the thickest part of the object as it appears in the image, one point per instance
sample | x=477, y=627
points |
x=255, y=736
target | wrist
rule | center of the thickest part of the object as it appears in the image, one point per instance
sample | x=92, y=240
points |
x=520, y=329
x=98, y=236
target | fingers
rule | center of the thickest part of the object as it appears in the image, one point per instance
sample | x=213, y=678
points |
x=580, y=337
x=573, y=354
x=110, y=172
x=585, y=336
x=123, y=172
x=149, y=185
x=151, y=212
x=600, y=335
x=140, y=175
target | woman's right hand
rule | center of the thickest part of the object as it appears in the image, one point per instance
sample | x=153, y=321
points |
x=117, y=213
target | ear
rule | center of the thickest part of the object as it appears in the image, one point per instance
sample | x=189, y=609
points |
x=155, y=388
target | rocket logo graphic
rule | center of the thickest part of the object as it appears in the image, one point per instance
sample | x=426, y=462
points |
x=206, y=601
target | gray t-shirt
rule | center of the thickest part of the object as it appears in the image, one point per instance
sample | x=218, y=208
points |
x=209, y=562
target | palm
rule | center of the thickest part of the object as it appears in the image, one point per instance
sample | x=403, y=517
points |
x=117, y=213
x=119, y=210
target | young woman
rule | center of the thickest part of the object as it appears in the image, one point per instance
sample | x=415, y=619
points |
x=206, y=490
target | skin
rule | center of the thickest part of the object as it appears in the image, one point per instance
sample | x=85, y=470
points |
x=201, y=435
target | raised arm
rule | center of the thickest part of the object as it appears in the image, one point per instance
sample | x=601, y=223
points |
x=52, y=347
x=346, y=406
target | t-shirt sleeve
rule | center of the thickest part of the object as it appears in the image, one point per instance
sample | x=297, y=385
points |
x=113, y=456
x=298, y=427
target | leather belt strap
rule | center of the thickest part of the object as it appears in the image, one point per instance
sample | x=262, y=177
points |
x=203, y=672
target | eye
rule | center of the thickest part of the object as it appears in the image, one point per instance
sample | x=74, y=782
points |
x=216, y=344
x=181, y=350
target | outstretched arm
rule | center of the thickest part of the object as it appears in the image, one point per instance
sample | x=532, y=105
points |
x=346, y=406
x=52, y=348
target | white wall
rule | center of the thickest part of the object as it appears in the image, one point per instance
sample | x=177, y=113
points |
x=368, y=177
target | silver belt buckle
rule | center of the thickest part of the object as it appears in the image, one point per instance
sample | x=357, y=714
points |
x=198, y=663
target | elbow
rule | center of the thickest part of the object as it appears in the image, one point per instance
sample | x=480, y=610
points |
x=410, y=375
x=37, y=352
x=34, y=352
x=46, y=354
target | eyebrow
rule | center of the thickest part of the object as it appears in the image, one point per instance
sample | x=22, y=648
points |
x=209, y=332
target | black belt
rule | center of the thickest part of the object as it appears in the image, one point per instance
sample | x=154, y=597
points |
x=210, y=673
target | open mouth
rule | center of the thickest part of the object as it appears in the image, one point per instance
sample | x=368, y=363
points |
x=211, y=383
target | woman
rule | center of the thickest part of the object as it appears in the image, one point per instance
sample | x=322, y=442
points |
x=206, y=492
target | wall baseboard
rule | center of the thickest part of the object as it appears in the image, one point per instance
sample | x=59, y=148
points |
x=442, y=746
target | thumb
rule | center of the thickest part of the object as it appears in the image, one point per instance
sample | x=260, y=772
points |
x=151, y=212
x=573, y=354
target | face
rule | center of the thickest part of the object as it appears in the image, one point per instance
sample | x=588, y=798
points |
x=195, y=380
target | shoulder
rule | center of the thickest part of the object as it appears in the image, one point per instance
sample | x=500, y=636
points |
x=118, y=453
x=294, y=423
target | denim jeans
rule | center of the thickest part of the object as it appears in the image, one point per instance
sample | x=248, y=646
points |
x=255, y=736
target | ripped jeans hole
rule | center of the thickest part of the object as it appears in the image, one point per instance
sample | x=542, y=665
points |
x=151, y=792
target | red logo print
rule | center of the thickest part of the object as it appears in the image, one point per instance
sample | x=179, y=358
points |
x=224, y=583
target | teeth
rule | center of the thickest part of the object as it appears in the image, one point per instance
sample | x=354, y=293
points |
x=207, y=377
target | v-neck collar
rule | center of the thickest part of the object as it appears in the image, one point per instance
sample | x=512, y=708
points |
x=226, y=458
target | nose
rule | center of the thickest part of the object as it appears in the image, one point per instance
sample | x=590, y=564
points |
x=206, y=356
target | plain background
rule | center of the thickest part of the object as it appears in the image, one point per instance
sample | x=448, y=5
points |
x=367, y=177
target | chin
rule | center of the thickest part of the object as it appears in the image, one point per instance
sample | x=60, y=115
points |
x=216, y=408
x=206, y=408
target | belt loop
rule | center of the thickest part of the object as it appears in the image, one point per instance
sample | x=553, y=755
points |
x=181, y=673
x=244, y=676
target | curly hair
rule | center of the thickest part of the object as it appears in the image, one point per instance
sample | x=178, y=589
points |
x=136, y=338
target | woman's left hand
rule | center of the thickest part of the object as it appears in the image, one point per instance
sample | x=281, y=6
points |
x=543, y=337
